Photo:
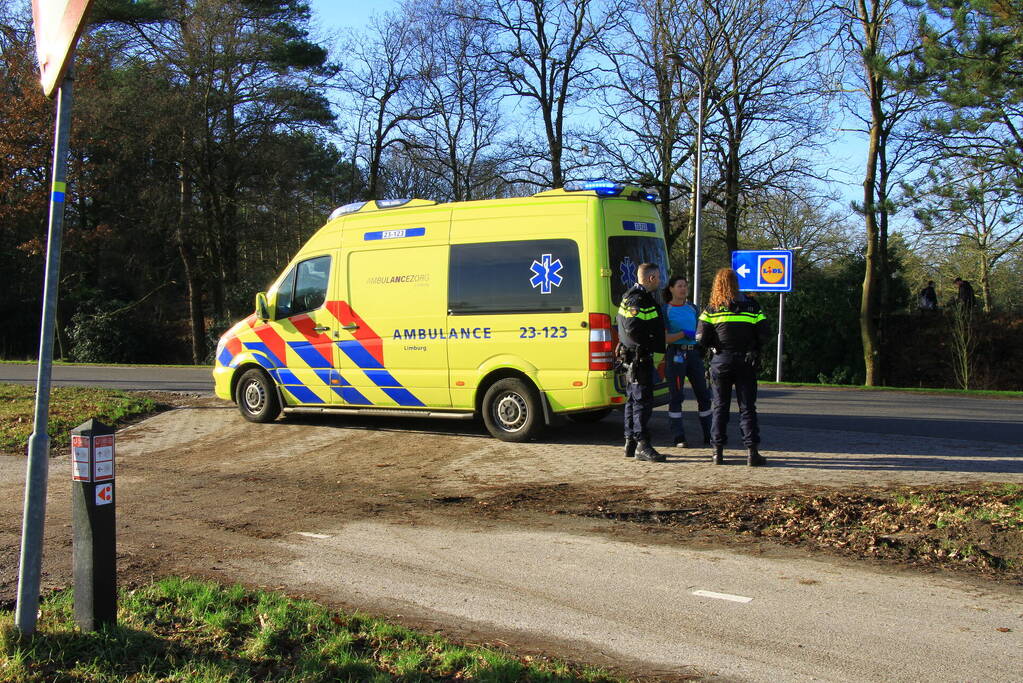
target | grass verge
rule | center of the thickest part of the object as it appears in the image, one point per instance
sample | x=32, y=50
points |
x=188, y=630
x=69, y=407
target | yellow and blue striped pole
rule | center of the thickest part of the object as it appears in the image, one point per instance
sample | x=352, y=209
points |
x=31, y=559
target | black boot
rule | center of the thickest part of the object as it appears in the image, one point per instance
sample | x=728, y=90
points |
x=630, y=448
x=753, y=457
x=718, y=456
x=647, y=453
x=705, y=426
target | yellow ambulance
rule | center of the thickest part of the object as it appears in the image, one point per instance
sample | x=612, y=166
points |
x=498, y=308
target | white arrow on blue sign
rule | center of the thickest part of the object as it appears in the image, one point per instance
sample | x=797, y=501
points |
x=763, y=271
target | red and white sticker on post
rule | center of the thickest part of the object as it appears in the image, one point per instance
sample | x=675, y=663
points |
x=104, y=494
x=103, y=458
x=81, y=467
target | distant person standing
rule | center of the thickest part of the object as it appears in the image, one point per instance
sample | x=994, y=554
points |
x=641, y=331
x=683, y=359
x=734, y=329
x=928, y=299
x=965, y=296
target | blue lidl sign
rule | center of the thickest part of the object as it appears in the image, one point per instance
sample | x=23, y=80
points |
x=763, y=271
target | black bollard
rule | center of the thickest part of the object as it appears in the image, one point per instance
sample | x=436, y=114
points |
x=93, y=523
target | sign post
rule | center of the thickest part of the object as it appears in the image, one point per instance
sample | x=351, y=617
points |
x=58, y=24
x=93, y=525
x=766, y=271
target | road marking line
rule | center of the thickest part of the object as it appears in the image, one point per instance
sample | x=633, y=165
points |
x=723, y=596
x=311, y=535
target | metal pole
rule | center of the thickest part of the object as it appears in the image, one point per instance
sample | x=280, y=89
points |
x=781, y=324
x=697, y=182
x=30, y=566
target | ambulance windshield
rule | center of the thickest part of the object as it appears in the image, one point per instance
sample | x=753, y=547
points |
x=625, y=253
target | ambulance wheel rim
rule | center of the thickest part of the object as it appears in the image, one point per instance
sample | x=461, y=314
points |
x=511, y=412
x=255, y=397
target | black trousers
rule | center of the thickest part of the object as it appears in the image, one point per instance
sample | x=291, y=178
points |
x=728, y=369
x=639, y=402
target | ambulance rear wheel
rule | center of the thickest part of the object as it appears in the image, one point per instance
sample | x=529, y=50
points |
x=512, y=411
x=256, y=397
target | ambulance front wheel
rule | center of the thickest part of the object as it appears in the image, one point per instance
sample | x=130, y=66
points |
x=256, y=397
x=512, y=411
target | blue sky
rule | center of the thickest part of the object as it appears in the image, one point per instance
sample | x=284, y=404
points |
x=338, y=14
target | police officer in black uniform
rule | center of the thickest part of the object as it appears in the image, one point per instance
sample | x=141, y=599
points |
x=734, y=329
x=641, y=332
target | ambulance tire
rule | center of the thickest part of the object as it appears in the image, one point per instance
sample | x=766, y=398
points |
x=590, y=416
x=256, y=396
x=512, y=410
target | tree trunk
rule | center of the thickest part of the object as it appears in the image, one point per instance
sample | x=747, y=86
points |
x=188, y=261
x=882, y=275
x=871, y=23
x=732, y=200
x=985, y=283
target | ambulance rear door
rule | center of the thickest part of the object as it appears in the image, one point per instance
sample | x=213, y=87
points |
x=634, y=236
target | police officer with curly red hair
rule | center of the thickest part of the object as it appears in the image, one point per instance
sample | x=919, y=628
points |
x=734, y=329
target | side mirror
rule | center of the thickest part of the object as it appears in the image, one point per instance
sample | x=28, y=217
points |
x=262, y=307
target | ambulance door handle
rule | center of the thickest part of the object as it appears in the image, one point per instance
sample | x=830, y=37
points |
x=320, y=328
x=350, y=327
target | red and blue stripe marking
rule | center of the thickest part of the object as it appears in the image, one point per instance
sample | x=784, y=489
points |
x=365, y=351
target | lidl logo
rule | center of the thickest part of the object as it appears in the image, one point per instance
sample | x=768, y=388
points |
x=772, y=271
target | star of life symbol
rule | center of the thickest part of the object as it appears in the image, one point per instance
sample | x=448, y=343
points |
x=628, y=269
x=545, y=273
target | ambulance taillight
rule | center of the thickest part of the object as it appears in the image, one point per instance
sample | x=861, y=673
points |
x=601, y=345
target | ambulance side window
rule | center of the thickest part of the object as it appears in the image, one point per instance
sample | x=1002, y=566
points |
x=528, y=276
x=304, y=289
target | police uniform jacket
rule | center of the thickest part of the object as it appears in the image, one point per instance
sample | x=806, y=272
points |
x=640, y=325
x=741, y=327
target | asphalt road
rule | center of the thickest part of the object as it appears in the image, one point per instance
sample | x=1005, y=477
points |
x=874, y=412
x=143, y=378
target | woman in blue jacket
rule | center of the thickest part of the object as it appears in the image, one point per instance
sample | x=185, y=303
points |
x=683, y=359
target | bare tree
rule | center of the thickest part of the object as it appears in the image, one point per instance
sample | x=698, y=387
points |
x=458, y=143
x=768, y=98
x=663, y=52
x=541, y=50
x=377, y=87
x=789, y=220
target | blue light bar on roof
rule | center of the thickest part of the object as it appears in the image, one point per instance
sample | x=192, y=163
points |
x=610, y=188
x=604, y=188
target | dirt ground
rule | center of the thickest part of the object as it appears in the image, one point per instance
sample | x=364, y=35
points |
x=197, y=485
